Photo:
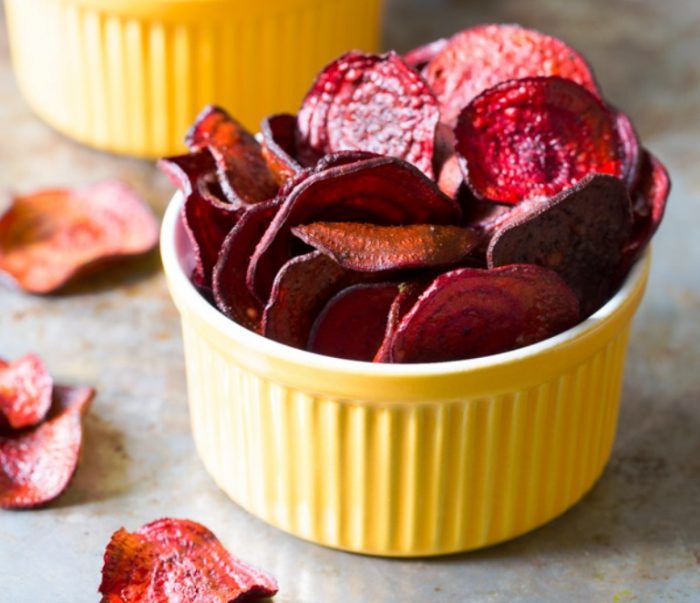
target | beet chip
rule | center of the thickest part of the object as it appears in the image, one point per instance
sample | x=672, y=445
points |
x=302, y=288
x=479, y=58
x=372, y=248
x=631, y=153
x=381, y=190
x=25, y=391
x=232, y=295
x=177, y=560
x=243, y=172
x=408, y=295
x=353, y=323
x=371, y=103
x=37, y=464
x=419, y=57
x=467, y=313
x=185, y=171
x=279, y=146
x=51, y=236
x=531, y=138
x=580, y=234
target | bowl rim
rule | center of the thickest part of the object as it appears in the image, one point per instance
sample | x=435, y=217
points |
x=173, y=233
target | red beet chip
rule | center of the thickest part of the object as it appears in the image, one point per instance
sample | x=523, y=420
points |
x=25, y=391
x=532, y=138
x=279, y=146
x=177, y=560
x=468, y=313
x=372, y=248
x=631, y=152
x=479, y=58
x=229, y=281
x=243, y=172
x=580, y=234
x=49, y=237
x=371, y=103
x=419, y=57
x=353, y=323
x=408, y=295
x=302, y=288
x=36, y=464
x=184, y=171
x=381, y=190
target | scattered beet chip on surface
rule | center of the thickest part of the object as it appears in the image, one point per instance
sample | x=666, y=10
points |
x=49, y=237
x=353, y=322
x=179, y=560
x=580, y=234
x=531, y=138
x=25, y=391
x=467, y=313
x=370, y=103
x=185, y=171
x=301, y=289
x=243, y=171
x=372, y=248
x=231, y=293
x=36, y=464
x=408, y=294
x=419, y=57
x=279, y=146
x=481, y=57
x=381, y=190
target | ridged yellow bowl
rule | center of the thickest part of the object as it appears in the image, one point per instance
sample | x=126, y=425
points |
x=400, y=460
x=129, y=76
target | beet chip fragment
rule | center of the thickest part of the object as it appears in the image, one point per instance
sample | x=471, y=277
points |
x=372, y=103
x=531, y=138
x=49, y=237
x=243, y=172
x=171, y=560
x=468, y=312
x=372, y=248
x=580, y=234
x=25, y=391
x=353, y=323
x=481, y=57
x=36, y=464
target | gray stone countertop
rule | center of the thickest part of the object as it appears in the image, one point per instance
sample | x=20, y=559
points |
x=635, y=537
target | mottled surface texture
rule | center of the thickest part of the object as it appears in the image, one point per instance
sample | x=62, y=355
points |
x=635, y=537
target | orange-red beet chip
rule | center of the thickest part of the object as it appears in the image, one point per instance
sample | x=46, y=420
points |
x=179, y=560
x=372, y=248
x=481, y=57
x=468, y=312
x=25, y=391
x=531, y=138
x=243, y=172
x=372, y=103
x=36, y=464
x=49, y=237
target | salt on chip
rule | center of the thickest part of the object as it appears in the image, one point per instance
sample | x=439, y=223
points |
x=25, y=391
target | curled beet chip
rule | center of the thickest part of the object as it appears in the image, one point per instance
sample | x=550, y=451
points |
x=408, y=295
x=381, y=190
x=531, y=138
x=631, y=153
x=177, y=560
x=353, y=323
x=302, y=288
x=419, y=57
x=279, y=146
x=580, y=234
x=231, y=293
x=185, y=171
x=49, y=237
x=468, y=312
x=479, y=58
x=371, y=103
x=36, y=464
x=243, y=172
x=372, y=248
x=25, y=391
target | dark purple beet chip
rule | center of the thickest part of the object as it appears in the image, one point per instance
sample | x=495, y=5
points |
x=408, y=295
x=353, y=323
x=469, y=313
x=184, y=171
x=580, y=234
x=279, y=146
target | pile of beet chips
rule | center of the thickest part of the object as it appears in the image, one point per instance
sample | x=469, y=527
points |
x=476, y=195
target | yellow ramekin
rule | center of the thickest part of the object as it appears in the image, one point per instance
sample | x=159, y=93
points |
x=129, y=76
x=400, y=460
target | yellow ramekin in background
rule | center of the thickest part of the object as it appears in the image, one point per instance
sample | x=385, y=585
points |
x=129, y=76
x=400, y=460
